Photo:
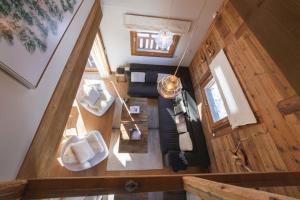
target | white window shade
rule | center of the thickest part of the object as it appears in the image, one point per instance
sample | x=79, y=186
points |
x=236, y=104
x=146, y=23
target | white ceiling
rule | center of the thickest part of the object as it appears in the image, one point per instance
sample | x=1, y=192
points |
x=117, y=38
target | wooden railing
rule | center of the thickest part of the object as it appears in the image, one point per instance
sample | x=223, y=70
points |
x=212, y=185
x=211, y=190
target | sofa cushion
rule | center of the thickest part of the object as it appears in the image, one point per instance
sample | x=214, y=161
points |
x=142, y=90
x=151, y=77
x=169, y=141
x=166, y=115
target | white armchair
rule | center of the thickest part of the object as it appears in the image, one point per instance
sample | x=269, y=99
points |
x=72, y=156
x=95, y=98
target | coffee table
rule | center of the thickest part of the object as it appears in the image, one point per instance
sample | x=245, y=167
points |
x=134, y=121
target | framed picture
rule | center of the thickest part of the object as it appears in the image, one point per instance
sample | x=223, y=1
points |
x=30, y=32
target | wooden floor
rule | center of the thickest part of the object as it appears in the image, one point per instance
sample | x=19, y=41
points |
x=85, y=121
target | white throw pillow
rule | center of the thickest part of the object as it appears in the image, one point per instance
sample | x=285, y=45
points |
x=101, y=101
x=185, y=142
x=180, y=123
x=82, y=151
x=138, y=77
x=161, y=76
x=92, y=96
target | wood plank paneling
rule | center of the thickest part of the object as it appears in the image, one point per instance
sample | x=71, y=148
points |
x=276, y=24
x=273, y=144
x=49, y=133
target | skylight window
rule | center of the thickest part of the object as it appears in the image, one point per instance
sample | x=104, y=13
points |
x=144, y=44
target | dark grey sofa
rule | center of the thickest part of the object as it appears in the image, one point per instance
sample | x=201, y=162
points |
x=169, y=138
x=149, y=88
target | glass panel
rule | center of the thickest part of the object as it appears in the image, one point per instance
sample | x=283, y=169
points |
x=141, y=43
x=96, y=58
x=151, y=44
x=91, y=63
x=156, y=46
x=147, y=44
x=154, y=35
x=215, y=101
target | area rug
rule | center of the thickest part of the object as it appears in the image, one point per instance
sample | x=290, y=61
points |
x=135, y=161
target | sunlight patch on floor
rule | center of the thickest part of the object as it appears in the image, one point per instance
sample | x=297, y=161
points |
x=122, y=157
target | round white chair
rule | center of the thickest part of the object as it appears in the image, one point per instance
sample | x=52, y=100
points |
x=103, y=103
x=76, y=166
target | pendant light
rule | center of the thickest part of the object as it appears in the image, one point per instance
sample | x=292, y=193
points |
x=170, y=86
x=164, y=39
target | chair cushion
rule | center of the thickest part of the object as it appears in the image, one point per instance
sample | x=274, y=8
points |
x=92, y=96
x=82, y=151
x=94, y=143
x=103, y=102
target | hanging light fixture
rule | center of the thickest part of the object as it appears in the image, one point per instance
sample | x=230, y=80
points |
x=164, y=39
x=170, y=86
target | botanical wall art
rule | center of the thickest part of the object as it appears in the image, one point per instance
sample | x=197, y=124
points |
x=30, y=31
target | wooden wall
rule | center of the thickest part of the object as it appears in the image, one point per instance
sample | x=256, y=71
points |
x=274, y=143
x=282, y=19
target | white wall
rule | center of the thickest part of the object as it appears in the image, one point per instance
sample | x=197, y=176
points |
x=21, y=109
x=117, y=39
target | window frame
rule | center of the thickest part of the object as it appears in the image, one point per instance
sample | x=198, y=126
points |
x=99, y=40
x=136, y=52
x=90, y=69
x=213, y=125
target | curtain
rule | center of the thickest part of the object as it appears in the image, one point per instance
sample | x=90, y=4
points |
x=98, y=58
x=236, y=104
x=145, y=23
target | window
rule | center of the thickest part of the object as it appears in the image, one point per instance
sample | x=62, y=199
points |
x=143, y=44
x=237, y=106
x=97, y=61
x=91, y=65
x=214, y=104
